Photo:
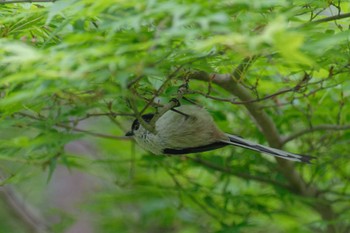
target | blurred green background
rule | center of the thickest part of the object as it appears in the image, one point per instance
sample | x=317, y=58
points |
x=69, y=71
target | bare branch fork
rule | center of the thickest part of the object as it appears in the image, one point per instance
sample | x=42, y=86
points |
x=138, y=114
x=150, y=126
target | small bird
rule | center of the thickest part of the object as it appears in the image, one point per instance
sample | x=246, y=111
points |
x=191, y=129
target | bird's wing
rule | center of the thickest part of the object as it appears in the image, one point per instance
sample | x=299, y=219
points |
x=238, y=141
x=197, y=149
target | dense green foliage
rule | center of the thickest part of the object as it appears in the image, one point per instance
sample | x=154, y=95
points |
x=70, y=70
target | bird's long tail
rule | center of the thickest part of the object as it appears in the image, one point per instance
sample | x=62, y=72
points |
x=238, y=141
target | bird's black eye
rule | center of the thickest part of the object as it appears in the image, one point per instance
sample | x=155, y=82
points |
x=135, y=125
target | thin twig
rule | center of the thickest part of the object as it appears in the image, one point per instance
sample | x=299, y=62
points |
x=331, y=18
x=239, y=72
x=315, y=128
x=182, y=90
x=89, y=115
x=100, y=135
x=189, y=194
x=242, y=175
x=161, y=88
x=232, y=101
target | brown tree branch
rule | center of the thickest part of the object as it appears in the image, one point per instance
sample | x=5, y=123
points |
x=231, y=84
x=264, y=122
x=23, y=212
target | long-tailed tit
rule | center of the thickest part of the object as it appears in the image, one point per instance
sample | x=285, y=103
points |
x=191, y=129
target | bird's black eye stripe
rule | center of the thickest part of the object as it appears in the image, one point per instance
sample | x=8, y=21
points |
x=135, y=125
x=146, y=117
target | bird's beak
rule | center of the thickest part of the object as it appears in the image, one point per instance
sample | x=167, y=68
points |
x=129, y=134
